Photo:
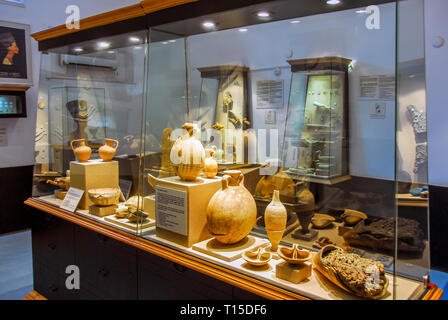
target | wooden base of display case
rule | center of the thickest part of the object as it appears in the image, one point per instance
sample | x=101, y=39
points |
x=134, y=226
x=228, y=252
x=294, y=273
x=260, y=281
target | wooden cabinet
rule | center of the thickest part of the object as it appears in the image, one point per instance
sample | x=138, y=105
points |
x=110, y=269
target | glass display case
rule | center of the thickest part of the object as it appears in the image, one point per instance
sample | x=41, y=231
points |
x=274, y=145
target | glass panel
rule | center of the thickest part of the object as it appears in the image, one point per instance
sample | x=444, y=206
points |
x=91, y=96
x=411, y=152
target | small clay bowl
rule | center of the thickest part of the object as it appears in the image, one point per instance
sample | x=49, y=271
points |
x=104, y=196
x=294, y=255
x=352, y=217
x=321, y=221
x=257, y=258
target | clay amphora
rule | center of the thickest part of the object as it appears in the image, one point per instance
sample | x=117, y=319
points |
x=275, y=217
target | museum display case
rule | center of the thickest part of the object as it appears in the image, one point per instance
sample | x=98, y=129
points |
x=261, y=143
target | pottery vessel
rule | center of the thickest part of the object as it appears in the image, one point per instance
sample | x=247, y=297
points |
x=331, y=272
x=210, y=164
x=321, y=221
x=82, y=152
x=275, y=217
x=353, y=217
x=107, y=151
x=257, y=258
x=232, y=211
x=188, y=154
x=294, y=255
x=104, y=196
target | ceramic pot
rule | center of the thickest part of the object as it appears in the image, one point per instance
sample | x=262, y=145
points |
x=275, y=217
x=257, y=258
x=82, y=152
x=107, y=152
x=231, y=212
x=352, y=217
x=294, y=255
x=188, y=154
x=210, y=164
x=321, y=221
x=104, y=196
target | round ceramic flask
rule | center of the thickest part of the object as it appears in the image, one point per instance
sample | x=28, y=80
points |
x=210, y=165
x=232, y=211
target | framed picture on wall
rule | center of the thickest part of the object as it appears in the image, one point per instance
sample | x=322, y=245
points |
x=15, y=54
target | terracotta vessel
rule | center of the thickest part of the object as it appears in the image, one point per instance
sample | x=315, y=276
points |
x=352, y=217
x=232, y=211
x=321, y=221
x=275, y=217
x=82, y=152
x=107, y=152
x=294, y=255
x=188, y=154
x=210, y=164
x=257, y=258
x=104, y=196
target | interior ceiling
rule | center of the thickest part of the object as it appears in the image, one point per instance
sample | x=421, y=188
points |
x=187, y=20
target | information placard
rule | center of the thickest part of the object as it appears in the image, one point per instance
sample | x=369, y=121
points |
x=171, y=210
x=72, y=199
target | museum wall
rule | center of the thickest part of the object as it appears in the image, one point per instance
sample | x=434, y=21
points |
x=39, y=15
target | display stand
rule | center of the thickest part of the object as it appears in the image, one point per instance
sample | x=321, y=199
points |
x=149, y=206
x=91, y=175
x=229, y=252
x=134, y=226
x=190, y=225
x=102, y=211
x=294, y=273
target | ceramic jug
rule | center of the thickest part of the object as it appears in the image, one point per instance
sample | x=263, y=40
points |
x=188, y=154
x=210, y=165
x=275, y=217
x=232, y=211
x=107, y=152
x=82, y=152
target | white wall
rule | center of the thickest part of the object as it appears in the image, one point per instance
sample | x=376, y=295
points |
x=436, y=23
x=40, y=14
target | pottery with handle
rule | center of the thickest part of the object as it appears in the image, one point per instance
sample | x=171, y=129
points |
x=188, y=154
x=275, y=217
x=210, y=164
x=82, y=151
x=232, y=211
x=107, y=151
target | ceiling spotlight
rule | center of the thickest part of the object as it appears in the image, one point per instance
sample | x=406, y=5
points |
x=208, y=24
x=333, y=1
x=243, y=29
x=296, y=21
x=263, y=14
x=103, y=45
x=134, y=39
x=78, y=49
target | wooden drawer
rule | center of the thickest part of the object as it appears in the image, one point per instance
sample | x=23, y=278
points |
x=162, y=279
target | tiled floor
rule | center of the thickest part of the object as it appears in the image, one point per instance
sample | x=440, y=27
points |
x=16, y=266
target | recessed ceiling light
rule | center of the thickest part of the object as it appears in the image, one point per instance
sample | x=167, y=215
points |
x=263, y=14
x=78, y=49
x=208, y=24
x=333, y=1
x=296, y=21
x=103, y=45
x=137, y=47
x=172, y=41
x=165, y=42
x=243, y=29
x=412, y=76
x=361, y=11
x=134, y=39
x=111, y=51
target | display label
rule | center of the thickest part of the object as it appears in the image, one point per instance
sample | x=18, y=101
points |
x=72, y=199
x=171, y=210
x=3, y=137
x=269, y=94
x=377, y=87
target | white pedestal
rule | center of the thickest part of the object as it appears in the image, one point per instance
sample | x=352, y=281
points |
x=194, y=218
x=91, y=175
